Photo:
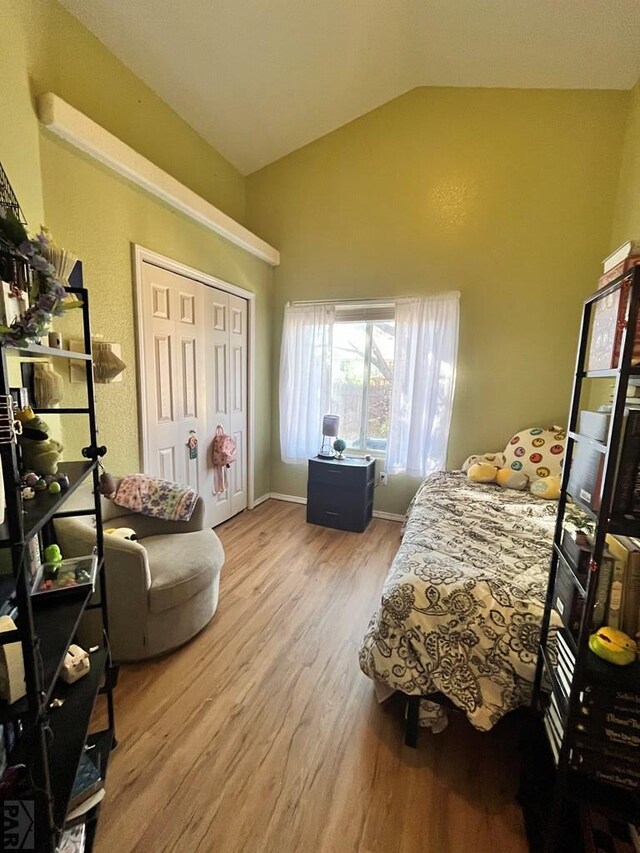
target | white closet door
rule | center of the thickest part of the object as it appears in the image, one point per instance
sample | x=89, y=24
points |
x=226, y=322
x=175, y=404
x=238, y=400
x=195, y=356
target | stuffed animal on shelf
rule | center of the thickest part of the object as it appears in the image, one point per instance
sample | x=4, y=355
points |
x=613, y=646
x=107, y=485
x=122, y=533
x=39, y=452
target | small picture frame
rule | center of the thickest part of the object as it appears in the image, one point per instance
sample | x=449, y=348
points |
x=20, y=397
x=13, y=303
x=33, y=559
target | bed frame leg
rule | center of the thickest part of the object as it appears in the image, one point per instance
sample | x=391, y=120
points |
x=413, y=717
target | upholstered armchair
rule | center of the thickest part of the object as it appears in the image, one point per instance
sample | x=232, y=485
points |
x=161, y=589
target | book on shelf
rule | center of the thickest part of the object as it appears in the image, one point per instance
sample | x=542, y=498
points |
x=576, y=548
x=564, y=678
x=594, y=424
x=76, y=815
x=602, y=833
x=565, y=649
x=614, y=715
x=595, y=693
x=627, y=466
x=569, y=603
x=565, y=663
x=631, y=595
x=88, y=780
x=73, y=840
x=593, y=761
x=551, y=735
x=556, y=717
x=610, y=735
x=627, y=250
x=615, y=777
x=585, y=478
x=620, y=269
x=603, y=591
x=632, y=396
x=3, y=752
x=618, y=579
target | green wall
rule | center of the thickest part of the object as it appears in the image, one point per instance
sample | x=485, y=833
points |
x=98, y=215
x=505, y=195
x=626, y=222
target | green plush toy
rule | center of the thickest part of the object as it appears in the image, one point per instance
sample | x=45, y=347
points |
x=39, y=452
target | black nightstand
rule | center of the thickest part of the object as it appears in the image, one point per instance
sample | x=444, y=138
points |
x=340, y=493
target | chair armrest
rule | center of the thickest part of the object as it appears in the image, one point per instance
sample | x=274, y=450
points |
x=146, y=525
x=127, y=581
x=76, y=538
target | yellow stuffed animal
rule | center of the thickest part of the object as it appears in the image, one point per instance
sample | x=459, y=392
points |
x=547, y=488
x=482, y=472
x=510, y=479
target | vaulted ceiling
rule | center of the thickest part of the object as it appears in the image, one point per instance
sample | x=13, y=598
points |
x=260, y=78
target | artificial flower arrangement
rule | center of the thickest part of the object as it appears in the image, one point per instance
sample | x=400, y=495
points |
x=46, y=294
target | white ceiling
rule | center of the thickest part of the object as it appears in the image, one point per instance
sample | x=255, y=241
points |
x=260, y=78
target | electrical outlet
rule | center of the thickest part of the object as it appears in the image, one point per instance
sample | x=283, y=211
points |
x=383, y=478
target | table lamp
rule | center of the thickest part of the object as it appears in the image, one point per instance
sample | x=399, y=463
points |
x=330, y=425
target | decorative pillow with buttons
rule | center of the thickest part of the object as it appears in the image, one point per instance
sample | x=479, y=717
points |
x=536, y=452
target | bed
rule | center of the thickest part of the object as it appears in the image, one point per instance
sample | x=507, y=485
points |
x=462, y=604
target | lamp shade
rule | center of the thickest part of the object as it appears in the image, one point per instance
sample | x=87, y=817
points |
x=330, y=425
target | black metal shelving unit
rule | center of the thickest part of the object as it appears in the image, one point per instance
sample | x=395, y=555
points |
x=571, y=784
x=53, y=738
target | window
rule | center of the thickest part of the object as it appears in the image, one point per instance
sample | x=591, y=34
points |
x=388, y=370
x=361, y=375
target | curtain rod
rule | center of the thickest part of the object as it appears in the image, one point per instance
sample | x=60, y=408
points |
x=371, y=301
x=381, y=301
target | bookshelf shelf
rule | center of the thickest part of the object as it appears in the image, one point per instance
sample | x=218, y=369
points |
x=578, y=727
x=39, y=351
x=41, y=509
x=571, y=572
x=581, y=505
x=599, y=445
x=50, y=740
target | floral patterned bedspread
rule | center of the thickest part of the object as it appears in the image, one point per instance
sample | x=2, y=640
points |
x=463, y=601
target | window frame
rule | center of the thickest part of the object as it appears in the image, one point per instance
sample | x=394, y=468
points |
x=368, y=313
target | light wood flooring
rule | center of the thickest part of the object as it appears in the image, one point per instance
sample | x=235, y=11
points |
x=263, y=735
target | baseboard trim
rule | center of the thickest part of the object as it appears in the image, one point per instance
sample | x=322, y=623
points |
x=292, y=499
x=261, y=500
x=387, y=516
x=296, y=499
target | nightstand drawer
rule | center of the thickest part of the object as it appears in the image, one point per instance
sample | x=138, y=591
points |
x=336, y=474
x=353, y=519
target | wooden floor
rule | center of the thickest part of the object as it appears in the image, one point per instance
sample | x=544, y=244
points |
x=263, y=735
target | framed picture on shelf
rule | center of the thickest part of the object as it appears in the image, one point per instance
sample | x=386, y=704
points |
x=33, y=559
x=20, y=397
x=604, y=331
x=13, y=303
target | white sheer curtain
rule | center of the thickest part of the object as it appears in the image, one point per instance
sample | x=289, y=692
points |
x=424, y=373
x=305, y=378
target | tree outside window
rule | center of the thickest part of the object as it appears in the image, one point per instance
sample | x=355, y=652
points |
x=362, y=374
